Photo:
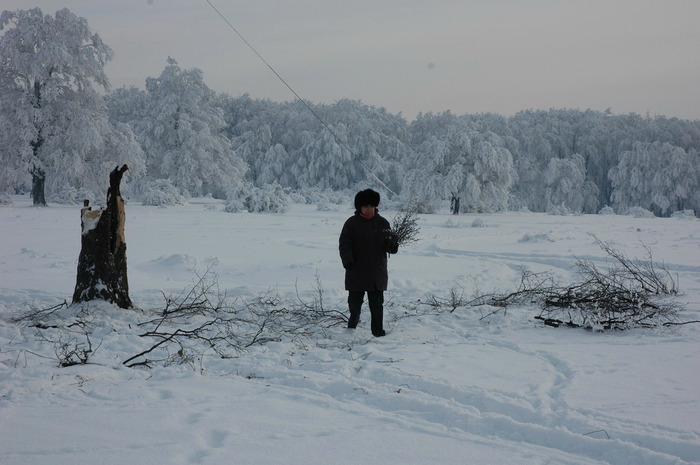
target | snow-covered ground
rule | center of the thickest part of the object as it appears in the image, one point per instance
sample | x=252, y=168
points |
x=440, y=388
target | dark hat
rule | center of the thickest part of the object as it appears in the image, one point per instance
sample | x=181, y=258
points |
x=366, y=197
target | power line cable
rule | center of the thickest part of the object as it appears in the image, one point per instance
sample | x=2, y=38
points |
x=308, y=107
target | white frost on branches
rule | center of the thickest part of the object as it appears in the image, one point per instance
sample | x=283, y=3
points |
x=53, y=120
x=181, y=133
x=657, y=175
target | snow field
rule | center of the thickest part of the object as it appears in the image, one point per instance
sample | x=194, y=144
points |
x=439, y=388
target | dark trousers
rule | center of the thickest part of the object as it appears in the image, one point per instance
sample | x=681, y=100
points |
x=376, y=308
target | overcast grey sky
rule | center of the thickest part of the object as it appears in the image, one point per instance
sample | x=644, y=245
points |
x=467, y=56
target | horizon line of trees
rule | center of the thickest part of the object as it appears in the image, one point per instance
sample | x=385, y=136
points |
x=59, y=139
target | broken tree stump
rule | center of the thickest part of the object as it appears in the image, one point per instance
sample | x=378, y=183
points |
x=102, y=262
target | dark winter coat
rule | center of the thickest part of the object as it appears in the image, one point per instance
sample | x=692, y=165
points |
x=363, y=249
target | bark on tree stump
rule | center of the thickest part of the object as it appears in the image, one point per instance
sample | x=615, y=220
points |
x=102, y=263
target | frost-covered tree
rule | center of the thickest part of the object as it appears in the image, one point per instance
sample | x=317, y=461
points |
x=328, y=161
x=354, y=145
x=657, y=176
x=305, y=146
x=425, y=159
x=126, y=105
x=564, y=183
x=252, y=146
x=272, y=169
x=474, y=170
x=54, y=123
x=600, y=137
x=425, y=183
x=533, y=131
x=542, y=136
x=14, y=176
x=182, y=134
x=432, y=177
x=490, y=167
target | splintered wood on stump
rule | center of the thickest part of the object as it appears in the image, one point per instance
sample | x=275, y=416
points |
x=102, y=262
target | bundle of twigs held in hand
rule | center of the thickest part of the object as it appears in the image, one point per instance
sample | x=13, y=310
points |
x=404, y=226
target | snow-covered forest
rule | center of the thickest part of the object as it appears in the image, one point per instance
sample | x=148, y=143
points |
x=63, y=129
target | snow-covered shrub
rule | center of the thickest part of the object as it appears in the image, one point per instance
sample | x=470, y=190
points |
x=5, y=199
x=452, y=223
x=297, y=197
x=684, y=215
x=606, y=211
x=71, y=196
x=639, y=212
x=65, y=196
x=270, y=198
x=234, y=206
x=324, y=206
x=236, y=195
x=527, y=237
x=161, y=193
x=559, y=210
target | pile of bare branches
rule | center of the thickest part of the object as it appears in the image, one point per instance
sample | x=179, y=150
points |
x=76, y=349
x=67, y=330
x=630, y=293
x=203, y=321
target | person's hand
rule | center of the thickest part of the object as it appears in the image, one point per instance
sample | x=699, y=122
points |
x=391, y=242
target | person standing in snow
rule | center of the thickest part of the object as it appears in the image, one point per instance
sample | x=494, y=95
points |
x=364, y=243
